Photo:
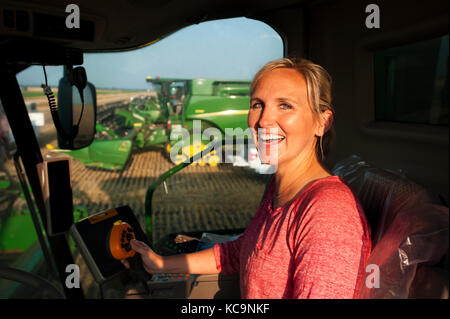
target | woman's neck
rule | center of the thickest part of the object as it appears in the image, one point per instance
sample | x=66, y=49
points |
x=293, y=177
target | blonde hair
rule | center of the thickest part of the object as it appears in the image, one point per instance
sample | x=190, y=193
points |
x=318, y=86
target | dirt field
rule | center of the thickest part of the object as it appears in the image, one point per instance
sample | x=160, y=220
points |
x=41, y=102
x=198, y=198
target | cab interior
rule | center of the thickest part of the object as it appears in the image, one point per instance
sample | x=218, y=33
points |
x=392, y=131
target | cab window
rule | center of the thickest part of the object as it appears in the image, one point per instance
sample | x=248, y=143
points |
x=411, y=83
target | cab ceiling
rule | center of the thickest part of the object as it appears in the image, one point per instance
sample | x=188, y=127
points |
x=125, y=24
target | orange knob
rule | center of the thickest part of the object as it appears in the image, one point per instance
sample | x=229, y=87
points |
x=119, y=240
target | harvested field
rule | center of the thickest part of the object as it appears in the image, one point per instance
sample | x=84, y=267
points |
x=198, y=197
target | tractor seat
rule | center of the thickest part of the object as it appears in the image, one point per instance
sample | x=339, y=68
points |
x=409, y=232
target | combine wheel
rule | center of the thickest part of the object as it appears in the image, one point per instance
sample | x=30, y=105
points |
x=167, y=149
x=179, y=159
x=188, y=151
x=197, y=147
x=201, y=162
x=213, y=160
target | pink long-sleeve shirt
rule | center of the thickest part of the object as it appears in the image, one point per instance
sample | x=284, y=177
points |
x=315, y=246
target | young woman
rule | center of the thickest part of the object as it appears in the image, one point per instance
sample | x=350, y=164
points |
x=309, y=238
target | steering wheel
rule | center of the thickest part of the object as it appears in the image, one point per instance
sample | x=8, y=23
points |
x=46, y=288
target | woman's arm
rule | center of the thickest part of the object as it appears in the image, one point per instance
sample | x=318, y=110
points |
x=201, y=262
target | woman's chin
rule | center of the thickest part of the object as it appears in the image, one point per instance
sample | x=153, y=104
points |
x=269, y=153
x=269, y=160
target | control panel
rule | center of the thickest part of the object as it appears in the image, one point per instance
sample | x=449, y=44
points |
x=104, y=239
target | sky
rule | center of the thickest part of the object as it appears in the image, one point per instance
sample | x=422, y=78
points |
x=221, y=49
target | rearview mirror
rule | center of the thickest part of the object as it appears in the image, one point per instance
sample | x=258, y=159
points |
x=77, y=119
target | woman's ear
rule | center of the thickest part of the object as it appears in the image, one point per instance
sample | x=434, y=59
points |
x=326, y=121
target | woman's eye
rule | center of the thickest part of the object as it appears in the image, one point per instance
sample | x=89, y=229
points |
x=256, y=105
x=285, y=106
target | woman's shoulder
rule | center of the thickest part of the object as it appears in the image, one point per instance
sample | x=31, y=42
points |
x=330, y=206
x=331, y=195
x=330, y=187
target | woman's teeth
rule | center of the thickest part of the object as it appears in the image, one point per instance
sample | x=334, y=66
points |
x=271, y=138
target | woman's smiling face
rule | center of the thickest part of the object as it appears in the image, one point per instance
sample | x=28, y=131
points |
x=281, y=119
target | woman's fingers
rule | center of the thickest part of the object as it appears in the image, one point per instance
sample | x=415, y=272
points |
x=139, y=246
x=150, y=261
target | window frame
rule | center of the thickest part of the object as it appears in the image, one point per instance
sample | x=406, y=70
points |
x=365, y=94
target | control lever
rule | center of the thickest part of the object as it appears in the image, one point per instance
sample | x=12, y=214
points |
x=120, y=248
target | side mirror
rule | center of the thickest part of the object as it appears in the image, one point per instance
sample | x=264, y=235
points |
x=76, y=127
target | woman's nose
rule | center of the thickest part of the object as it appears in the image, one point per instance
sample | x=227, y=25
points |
x=267, y=117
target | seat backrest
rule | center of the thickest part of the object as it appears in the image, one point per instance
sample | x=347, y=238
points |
x=409, y=228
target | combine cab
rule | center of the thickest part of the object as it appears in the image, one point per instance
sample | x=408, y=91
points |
x=390, y=93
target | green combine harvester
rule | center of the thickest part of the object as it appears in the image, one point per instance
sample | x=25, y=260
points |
x=122, y=130
x=219, y=104
x=17, y=228
x=150, y=121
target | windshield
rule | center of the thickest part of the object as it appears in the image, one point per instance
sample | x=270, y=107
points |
x=137, y=114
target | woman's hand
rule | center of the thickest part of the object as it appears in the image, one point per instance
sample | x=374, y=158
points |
x=152, y=262
x=201, y=262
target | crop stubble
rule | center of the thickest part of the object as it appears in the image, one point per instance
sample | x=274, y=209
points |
x=198, y=197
